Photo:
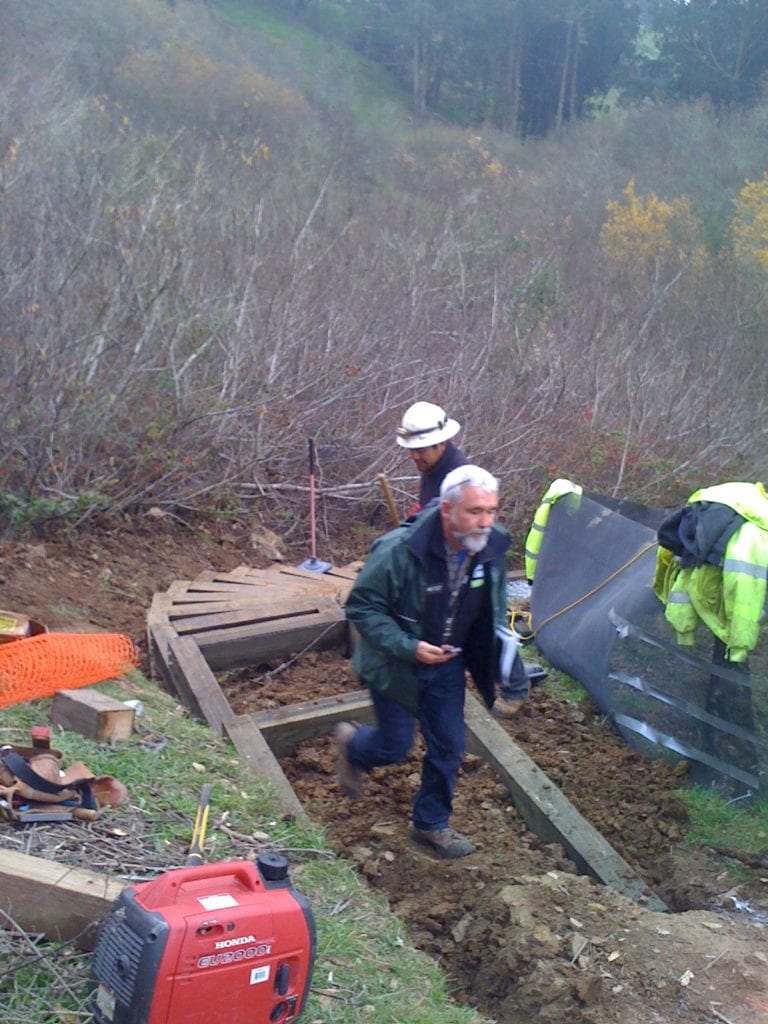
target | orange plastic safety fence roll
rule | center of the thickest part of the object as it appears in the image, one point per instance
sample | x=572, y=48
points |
x=38, y=666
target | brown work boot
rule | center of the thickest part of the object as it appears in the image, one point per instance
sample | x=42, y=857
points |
x=503, y=708
x=349, y=777
x=446, y=842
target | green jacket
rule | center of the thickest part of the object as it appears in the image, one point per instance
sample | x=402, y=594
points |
x=386, y=606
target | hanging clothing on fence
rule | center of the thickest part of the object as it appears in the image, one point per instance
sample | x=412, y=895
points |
x=712, y=565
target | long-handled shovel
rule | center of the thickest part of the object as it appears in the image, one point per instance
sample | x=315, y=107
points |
x=313, y=563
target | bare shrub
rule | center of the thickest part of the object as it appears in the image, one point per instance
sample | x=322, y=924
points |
x=187, y=297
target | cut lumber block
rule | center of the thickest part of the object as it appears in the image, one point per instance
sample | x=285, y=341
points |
x=92, y=714
x=57, y=900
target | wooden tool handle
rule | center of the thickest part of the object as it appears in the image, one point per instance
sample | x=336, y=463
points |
x=196, y=849
x=387, y=492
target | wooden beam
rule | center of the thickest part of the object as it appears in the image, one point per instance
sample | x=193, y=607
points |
x=190, y=604
x=284, y=728
x=217, y=604
x=159, y=635
x=57, y=900
x=351, y=570
x=222, y=586
x=331, y=582
x=257, y=643
x=275, y=611
x=548, y=812
x=259, y=759
x=197, y=686
x=291, y=577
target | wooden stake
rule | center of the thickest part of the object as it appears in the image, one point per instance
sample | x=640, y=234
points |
x=386, y=490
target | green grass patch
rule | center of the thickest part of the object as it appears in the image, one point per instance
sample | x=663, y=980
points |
x=717, y=821
x=374, y=97
x=558, y=684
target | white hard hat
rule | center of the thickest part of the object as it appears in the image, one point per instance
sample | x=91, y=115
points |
x=425, y=424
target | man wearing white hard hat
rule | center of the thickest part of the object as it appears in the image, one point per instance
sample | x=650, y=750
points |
x=426, y=431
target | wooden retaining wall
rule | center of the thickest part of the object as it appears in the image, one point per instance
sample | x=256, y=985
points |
x=222, y=621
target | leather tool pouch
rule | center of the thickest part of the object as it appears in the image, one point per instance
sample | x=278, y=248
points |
x=30, y=776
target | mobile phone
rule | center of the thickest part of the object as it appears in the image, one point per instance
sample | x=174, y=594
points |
x=449, y=649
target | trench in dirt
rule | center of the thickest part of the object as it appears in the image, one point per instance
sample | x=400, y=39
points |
x=506, y=943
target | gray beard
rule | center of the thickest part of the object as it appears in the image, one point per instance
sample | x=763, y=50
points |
x=475, y=541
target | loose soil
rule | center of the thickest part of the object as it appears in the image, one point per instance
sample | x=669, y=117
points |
x=518, y=932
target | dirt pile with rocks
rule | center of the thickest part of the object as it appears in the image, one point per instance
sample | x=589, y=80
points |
x=521, y=934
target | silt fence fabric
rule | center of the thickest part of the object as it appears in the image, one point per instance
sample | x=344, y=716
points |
x=596, y=617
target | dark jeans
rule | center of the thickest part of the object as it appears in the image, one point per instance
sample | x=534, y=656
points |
x=441, y=720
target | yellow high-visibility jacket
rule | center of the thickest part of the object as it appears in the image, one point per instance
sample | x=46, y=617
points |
x=557, y=489
x=730, y=598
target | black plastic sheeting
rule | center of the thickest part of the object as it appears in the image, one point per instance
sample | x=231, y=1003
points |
x=596, y=617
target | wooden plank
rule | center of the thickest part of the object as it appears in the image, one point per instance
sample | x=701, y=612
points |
x=199, y=605
x=547, y=811
x=196, y=684
x=92, y=714
x=57, y=900
x=275, y=611
x=245, y=580
x=259, y=759
x=257, y=643
x=160, y=635
x=217, y=600
x=158, y=610
x=206, y=575
x=284, y=728
x=352, y=569
x=243, y=595
x=238, y=579
x=229, y=590
x=303, y=579
x=327, y=581
x=333, y=576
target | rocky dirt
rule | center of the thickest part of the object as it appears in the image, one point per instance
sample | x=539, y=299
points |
x=519, y=933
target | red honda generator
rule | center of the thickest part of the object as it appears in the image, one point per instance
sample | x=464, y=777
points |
x=228, y=943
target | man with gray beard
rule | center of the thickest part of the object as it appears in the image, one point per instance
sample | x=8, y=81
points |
x=426, y=607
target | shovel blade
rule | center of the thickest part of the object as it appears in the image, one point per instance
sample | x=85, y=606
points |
x=314, y=565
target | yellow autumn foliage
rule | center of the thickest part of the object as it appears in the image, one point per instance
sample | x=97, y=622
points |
x=642, y=233
x=750, y=223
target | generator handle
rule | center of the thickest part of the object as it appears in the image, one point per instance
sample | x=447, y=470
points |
x=165, y=888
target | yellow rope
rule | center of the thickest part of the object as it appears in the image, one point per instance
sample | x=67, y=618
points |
x=594, y=590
